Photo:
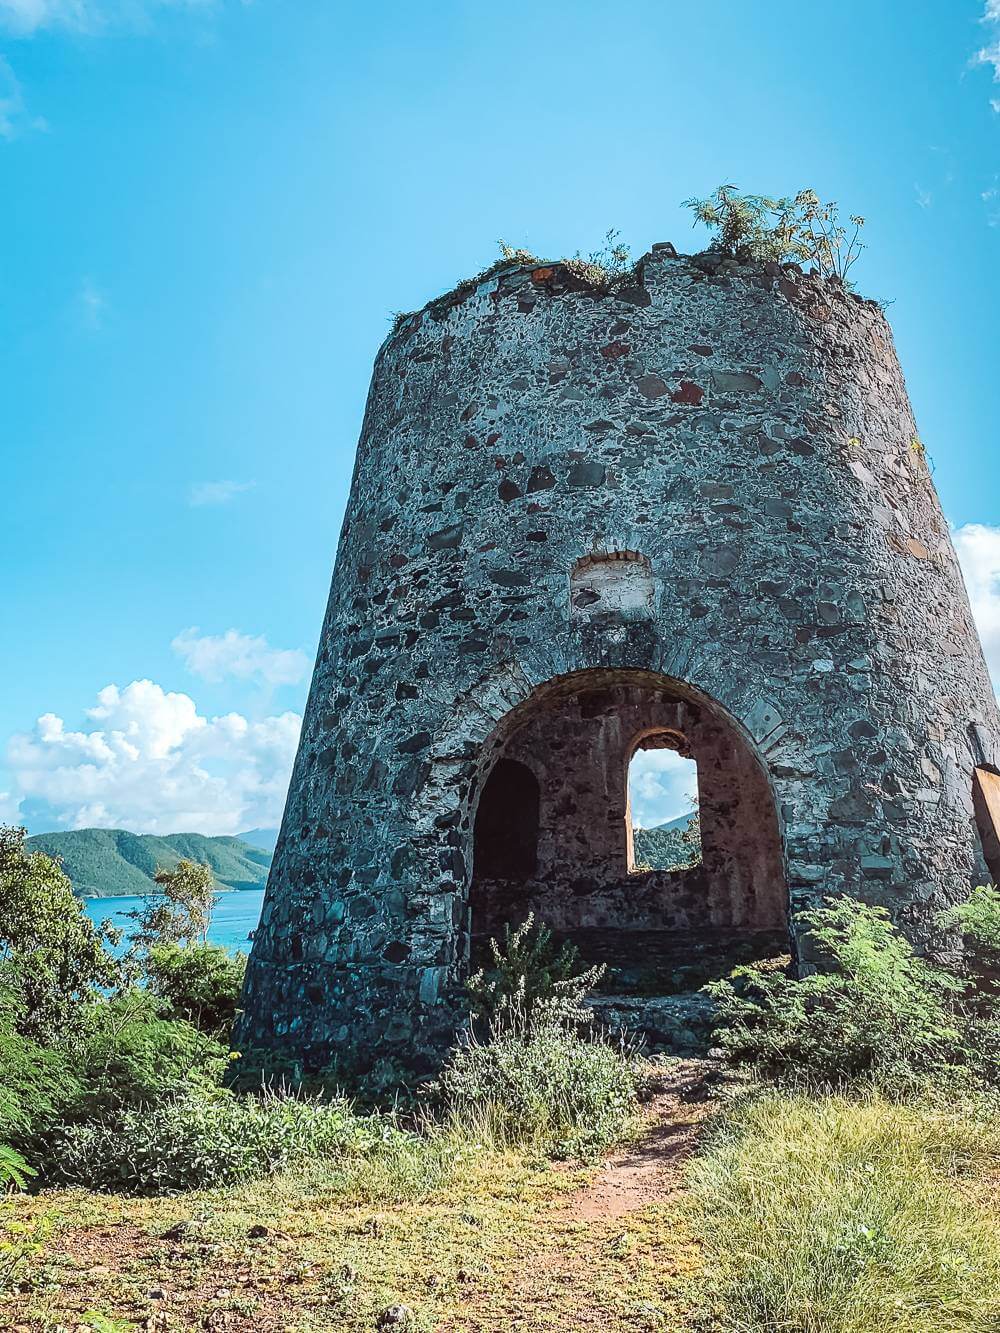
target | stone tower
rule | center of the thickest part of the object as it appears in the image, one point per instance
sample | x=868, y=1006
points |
x=693, y=512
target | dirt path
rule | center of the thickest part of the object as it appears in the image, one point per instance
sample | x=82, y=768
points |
x=650, y=1170
x=599, y=1262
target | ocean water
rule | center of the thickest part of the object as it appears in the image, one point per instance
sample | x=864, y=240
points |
x=235, y=915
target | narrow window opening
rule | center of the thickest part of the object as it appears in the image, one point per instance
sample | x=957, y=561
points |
x=664, y=819
x=986, y=804
x=506, y=837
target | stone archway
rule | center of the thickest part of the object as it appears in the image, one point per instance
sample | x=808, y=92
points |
x=577, y=735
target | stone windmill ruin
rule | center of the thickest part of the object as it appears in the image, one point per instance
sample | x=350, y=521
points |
x=693, y=513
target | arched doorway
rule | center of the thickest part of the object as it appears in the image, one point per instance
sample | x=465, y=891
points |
x=505, y=845
x=575, y=739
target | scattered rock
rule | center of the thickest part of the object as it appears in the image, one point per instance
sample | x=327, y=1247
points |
x=396, y=1316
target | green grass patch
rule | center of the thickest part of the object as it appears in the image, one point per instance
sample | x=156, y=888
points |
x=838, y=1215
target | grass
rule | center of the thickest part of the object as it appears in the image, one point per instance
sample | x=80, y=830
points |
x=800, y=1214
x=837, y=1215
x=468, y=1238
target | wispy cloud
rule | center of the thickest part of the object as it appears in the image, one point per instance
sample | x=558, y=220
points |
x=14, y=115
x=22, y=18
x=990, y=53
x=991, y=198
x=924, y=197
x=217, y=492
x=214, y=657
x=91, y=305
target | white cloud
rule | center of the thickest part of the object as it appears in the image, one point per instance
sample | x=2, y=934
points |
x=217, y=492
x=924, y=197
x=24, y=17
x=146, y=760
x=14, y=115
x=245, y=656
x=978, y=547
x=662, y=785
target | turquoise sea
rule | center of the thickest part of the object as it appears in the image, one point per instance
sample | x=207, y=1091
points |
x=235, y=915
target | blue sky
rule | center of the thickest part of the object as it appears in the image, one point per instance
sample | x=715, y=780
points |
x=210, y=211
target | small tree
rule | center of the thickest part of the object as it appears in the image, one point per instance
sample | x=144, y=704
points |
x=756, y=228
x=181, y=911
x=198, y=983
x=52, y=957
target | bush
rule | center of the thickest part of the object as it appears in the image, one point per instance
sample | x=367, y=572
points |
x=879, y=1012
x=552, y=1091
x=755, y=228
x=123, y=1055
x=837, y=1216
x=978, y=918
x=531, y=981
x=200, y=984
x=37, y=1084
x=203, y=1140
x=129, y=1058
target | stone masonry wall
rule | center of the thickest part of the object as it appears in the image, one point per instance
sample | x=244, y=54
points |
x=746, y=434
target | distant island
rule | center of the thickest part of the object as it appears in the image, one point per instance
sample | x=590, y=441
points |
x=111, y=863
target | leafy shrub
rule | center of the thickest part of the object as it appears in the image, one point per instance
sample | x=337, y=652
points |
x=878, y=1011
x=203, y=1140
x=122, y=1055
x=37, y=1084
x=552, y=1090
x=978, y=918
x=197, y=983
x=129, y=1058
x=53, y=959
x=531, y=981
x=757, y=228
x=835, y=1216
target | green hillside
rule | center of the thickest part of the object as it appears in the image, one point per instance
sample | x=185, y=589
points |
x=105, y=863
x=674, y=845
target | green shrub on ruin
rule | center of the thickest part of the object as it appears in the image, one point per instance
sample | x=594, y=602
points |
x=876, y=1011
x=758, y=228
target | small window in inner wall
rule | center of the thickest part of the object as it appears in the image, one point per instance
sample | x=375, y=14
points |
x=663, y=807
